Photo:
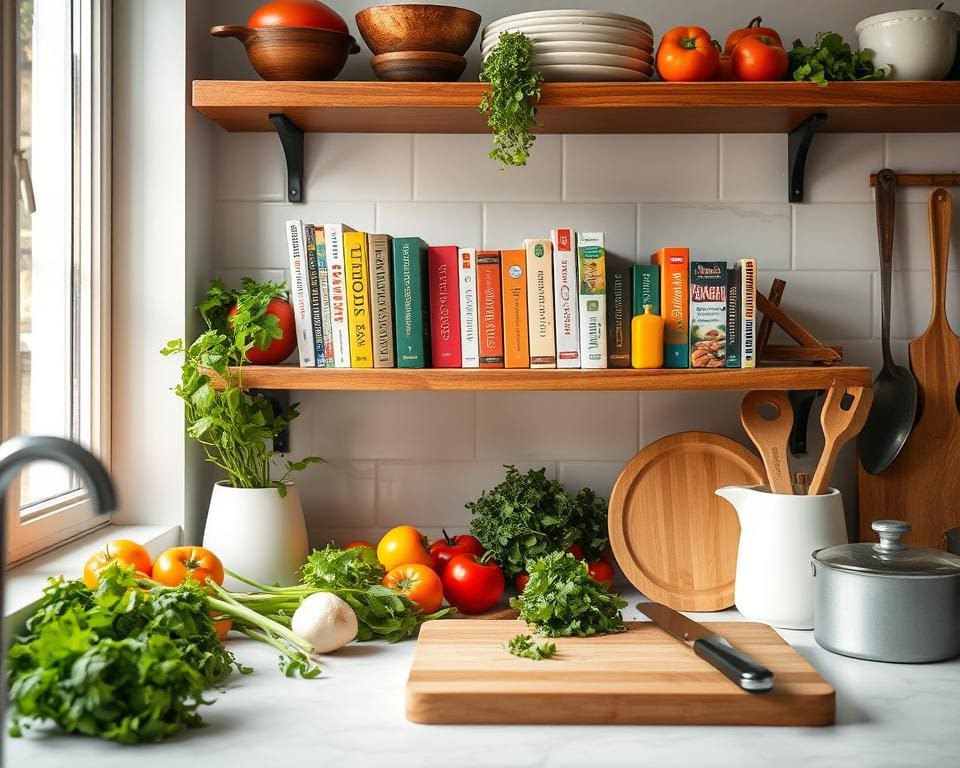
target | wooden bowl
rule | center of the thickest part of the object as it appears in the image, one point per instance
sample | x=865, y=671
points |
x=418, y=66
x=396, y=28
x=293, y=53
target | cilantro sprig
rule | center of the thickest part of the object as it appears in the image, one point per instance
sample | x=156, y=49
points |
x=561, y=599
x=525, y=647
x=831, y=58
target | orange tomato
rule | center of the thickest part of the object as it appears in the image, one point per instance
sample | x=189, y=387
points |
x=419, y=583
x=178, y=564
x=752, y=29
x=357, y=543
x=122, y=551
x=222, y=627
x=759, y=58
x=401, y=545
x=687, y=54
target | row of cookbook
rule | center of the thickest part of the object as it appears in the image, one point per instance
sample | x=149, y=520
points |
x=374, y=301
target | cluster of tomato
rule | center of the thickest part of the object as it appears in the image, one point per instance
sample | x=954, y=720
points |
x=171, y=568
x=690, y=54
x=456, y=568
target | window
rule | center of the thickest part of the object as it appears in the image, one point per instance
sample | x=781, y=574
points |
x=55, y=263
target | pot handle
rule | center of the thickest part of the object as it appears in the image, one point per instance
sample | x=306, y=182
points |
x=232, y=30
x=891, y=535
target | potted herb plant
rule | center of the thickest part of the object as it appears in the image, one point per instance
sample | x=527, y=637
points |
x=255, y=520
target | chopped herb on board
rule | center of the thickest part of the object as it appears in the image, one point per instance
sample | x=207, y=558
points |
x=525, y=647
x=561, y=599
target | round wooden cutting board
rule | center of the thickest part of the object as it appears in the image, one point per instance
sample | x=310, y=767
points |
x=675, y=540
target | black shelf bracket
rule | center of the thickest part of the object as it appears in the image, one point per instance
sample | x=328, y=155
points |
x=279, y=401
x=291, y=139
x=798, y=145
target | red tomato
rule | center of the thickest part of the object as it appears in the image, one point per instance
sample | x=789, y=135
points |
x=419, y=583
x=122, y=551
x=753, y=28
x=576, y=550
x=358, y=543
x=279, y=349
x=601, y=571
x=520, y=581
x=759, y=58
x=178, y=564
x=687, y=54
x=472, y=586
x=297, y=13
x=444, y=550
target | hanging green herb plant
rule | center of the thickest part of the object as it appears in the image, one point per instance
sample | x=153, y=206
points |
x=511, y=102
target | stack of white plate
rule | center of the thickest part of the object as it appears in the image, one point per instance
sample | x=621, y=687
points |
x=581, y=45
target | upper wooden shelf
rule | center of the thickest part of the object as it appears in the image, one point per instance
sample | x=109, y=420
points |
x=383, y=107
x=473, y=379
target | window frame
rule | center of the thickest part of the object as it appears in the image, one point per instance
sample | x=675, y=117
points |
x=69, y=515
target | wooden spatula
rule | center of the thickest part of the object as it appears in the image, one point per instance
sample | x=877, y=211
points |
x=770, y=435
x=840, y=425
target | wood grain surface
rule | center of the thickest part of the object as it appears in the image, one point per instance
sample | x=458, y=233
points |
x=674, y=539
x=922, y=485
x=475, y=379
x=461, y=673
x=585, y=107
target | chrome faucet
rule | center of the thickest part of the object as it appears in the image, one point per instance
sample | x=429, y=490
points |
x=24, y=449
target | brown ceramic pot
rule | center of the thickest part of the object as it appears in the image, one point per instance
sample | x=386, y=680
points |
x=293, y=53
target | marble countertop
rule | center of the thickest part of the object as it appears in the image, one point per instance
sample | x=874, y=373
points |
x=892, y=715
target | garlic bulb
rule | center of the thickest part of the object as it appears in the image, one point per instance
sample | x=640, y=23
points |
x=325, y=621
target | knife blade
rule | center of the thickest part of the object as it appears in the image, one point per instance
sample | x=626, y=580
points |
x=711, y=647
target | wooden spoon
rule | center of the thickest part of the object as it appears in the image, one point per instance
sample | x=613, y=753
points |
x=770, y=435
x=839, y=425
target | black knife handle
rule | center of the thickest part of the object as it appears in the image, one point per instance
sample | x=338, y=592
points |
x=739, y=667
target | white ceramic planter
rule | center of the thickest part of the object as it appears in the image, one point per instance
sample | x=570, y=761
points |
x=778, y=534
x=257, y=533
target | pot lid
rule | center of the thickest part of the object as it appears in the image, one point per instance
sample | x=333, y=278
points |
x=890, y=557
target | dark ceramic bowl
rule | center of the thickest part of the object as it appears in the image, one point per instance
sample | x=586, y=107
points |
x=418, y=66
x=396, y=28
x=293, y=53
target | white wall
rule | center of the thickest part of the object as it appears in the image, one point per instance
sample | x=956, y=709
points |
x=417, y=457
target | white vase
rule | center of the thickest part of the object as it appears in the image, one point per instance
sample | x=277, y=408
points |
x=257, y=533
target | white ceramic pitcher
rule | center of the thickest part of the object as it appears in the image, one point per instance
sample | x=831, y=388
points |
x=778, y=533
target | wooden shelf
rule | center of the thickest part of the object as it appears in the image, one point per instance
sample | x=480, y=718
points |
x=466, y=379
x=383, y=107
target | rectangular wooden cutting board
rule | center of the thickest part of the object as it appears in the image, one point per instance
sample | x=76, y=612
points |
x=461, y=673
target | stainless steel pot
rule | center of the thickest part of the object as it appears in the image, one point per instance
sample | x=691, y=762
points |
x=887, y=601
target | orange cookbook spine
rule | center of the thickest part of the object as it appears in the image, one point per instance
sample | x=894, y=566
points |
x=674, y=266
x=489, y=309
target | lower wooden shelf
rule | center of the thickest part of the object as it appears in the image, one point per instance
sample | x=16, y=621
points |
x=473, y=379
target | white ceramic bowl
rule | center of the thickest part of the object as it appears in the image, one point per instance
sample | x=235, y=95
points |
x=582, y=17
x=917, y=45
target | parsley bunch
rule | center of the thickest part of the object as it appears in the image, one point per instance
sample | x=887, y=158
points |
x=831, y=58
x=561, y=599
x=511, y=102
x=120, y=662
x=527, y=516
x=525, y=647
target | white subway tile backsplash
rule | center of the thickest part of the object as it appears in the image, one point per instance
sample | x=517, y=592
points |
x=911, y=304
x=838, y=306
x=922, y=153
x=666, y=413
x=250, y=166
x=435, y=493
x=753, y=167
x=657, y=168
x=359, y=166
x=391, y=425
x=506, y=226
x=839, y=167
x=252, y=234
x=718, y=232
x=338, y=493
x=836, y=236
x=438, y=223
x=599, y=476
x=547, y=425
x=457, y=167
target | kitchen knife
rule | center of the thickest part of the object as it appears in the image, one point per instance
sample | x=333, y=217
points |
x=710, y=647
